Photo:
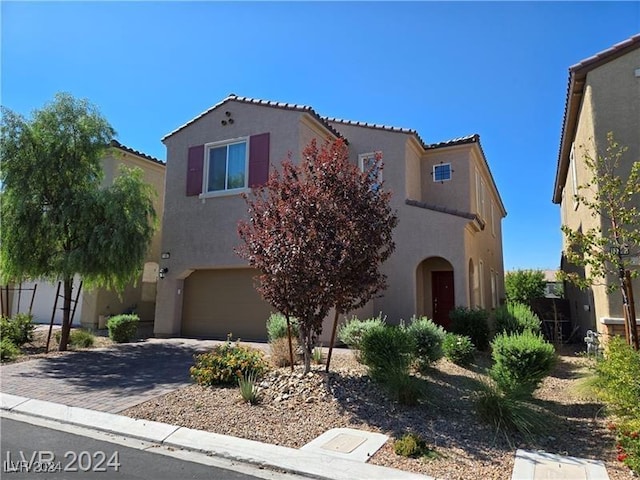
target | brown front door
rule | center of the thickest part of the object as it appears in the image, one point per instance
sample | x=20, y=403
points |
x=443, y=298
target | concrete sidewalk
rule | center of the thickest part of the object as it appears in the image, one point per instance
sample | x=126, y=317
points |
x=310, y=464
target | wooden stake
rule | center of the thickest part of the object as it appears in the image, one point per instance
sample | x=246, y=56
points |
x=33, y=295
x=290, y=345
x=333, y=338
x=53, y=316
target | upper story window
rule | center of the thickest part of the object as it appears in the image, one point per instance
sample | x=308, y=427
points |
x=367, y=163
x=226, y=166
x=442, y=172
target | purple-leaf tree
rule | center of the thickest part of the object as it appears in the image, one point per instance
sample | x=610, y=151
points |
x=318, y=232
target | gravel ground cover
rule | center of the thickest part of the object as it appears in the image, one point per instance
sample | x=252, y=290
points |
x=295, y=408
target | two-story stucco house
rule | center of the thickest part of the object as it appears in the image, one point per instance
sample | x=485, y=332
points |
x=95, y=305
x=603, y=96
x=448, y=240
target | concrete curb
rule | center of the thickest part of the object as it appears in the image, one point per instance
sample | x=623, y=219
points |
x=299, y=462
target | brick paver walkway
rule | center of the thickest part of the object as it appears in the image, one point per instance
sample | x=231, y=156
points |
x=109, y=380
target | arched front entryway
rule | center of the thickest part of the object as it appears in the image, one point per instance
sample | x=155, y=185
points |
x=435, y=293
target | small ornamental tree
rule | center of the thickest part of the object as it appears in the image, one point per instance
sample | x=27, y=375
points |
x=524, y=285
x=608, y=249
x=57, y=220
x=318, y=232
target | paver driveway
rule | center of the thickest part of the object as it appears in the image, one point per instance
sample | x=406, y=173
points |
x=109, y=380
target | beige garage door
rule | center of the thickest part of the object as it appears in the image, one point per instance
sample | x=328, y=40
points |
x=217, y=302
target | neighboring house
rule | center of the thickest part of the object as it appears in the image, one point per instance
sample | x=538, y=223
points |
x=448, y=240
x=95, y=305
x=603, y=96
x=552, y=286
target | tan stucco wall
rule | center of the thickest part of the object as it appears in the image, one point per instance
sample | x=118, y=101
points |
x=611, y=102
x=140, y=295
x=203, y=231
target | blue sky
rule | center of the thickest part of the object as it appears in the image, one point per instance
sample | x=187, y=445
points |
x=446, y=69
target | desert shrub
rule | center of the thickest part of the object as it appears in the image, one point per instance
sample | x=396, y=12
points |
x=427, y=338
x=81, y=339
x=77, y=338
x=628, y=444
x=521, y=361
x=317, y=355
x=18, y=329
x=277, y=327
x=388, y=352
x=473, y=323
x=458, y=349
x=508, y=412
x=412, y=446
x=227, y=363
x=248, y=387
x=516, y=317
x=280, y=355
x=387, y=349
x=352, y=331
x=123, y=328
x=617, y=379
x=8, y=350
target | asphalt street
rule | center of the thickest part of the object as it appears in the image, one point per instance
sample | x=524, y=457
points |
x=36, y=452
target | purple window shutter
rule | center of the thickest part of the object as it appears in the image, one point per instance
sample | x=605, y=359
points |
x=258, y=159
x=195, y=164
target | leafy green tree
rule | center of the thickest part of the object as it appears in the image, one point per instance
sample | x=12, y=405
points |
x=524, y=285
x=612, y=194
x=57, y=220
x=318, y=231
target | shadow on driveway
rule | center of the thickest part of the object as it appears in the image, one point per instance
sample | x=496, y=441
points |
x=135, y=367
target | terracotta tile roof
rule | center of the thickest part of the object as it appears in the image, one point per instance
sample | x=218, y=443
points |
x=376, y=126
x=474, y=138
x=267, y=103
x=575, y=88
x=117, y=144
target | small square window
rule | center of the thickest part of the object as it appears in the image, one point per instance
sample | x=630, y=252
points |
x=442, y=172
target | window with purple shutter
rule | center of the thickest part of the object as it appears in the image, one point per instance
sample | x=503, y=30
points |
x=258, y=159
x=195, y=164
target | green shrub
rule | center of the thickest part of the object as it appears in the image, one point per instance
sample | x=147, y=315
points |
x=81, y=339
x=524, y=285
x=388, y=352
x=521, y=361
x=8, y=350
x=351, y=332
x=473, y=323
x=458, y=349
x=412, y=446
x=18, y=329
x=277, y=327
x=123, y=328
x=248, y=387
x=516, y=317
x=317, y=355
x=508, y=412
x=618, y=379
x=227, y=363
x=427, y=338
x=628, y=445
